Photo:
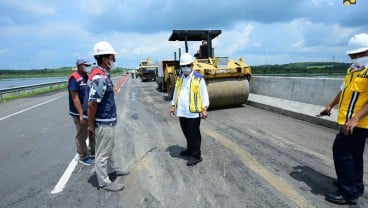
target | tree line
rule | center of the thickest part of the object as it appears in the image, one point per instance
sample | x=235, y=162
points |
x=303, y=68
x=59, y=72
x=291, y=68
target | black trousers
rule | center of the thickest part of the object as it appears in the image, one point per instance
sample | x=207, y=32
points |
x=348, y=158
x=190, y=128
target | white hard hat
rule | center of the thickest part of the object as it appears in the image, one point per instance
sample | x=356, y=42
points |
x=358, y=43
x=186, y=59
x=102, y=48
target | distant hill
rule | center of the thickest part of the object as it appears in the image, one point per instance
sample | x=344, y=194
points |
x=59, y=72
x=303, y=67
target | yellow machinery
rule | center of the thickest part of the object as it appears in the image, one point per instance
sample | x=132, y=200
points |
x=137, y=72
x=147, y=70
x=226, y=79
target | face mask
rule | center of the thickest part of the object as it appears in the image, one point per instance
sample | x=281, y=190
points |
x=362, y=61
x=87, y=69
x=113, y=65
x=186, y=70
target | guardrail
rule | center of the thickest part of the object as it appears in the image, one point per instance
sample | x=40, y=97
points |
x=17, y=90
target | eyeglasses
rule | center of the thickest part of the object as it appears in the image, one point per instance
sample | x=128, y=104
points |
x=358, y=55
x=188, y=65
x=113, y=58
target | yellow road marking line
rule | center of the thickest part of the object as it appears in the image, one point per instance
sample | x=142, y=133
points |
x=251, y=162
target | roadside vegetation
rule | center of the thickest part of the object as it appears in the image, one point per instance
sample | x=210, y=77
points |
x=33, y=92
x=305, y=68
x=301, y=69
x=294, y=68
x=34, y=73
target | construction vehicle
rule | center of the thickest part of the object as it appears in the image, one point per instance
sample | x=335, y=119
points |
x=160, y=78
x=166, y=75
x=137, y=73
x=147, y=70
x=227, y=80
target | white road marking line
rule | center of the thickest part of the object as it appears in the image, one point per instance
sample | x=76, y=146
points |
x=13, y=114
x=65, y=177
x=67, y=173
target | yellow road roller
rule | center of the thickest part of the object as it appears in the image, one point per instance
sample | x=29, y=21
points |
x=227, y=80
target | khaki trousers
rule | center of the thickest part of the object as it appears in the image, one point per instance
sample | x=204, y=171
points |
x=108, y=153
x=80, y=137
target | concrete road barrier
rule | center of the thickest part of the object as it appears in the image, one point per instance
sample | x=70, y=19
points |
x=298, y=97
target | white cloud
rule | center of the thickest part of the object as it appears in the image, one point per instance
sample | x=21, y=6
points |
x=53, y=33
x=298, y=44
x=235, y=40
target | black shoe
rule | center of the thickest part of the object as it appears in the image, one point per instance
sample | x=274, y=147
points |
x=193, y=161
x=338, y=198
x=335, y=183
x=185, y=153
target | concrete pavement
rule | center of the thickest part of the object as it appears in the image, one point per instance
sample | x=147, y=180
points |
x=299, y=110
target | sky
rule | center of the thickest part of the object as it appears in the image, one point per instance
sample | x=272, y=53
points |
x=38, y=34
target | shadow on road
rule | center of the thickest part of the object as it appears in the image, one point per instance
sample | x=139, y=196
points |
x=174, y=151
x=319, y=183
x=166, y=98
x=94, y=182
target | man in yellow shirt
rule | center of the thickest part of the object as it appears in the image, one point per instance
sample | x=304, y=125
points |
x=348, y=147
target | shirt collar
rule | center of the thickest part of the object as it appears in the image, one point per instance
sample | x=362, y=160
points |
x=103, y=69
x=189, y=75
x=356, y=68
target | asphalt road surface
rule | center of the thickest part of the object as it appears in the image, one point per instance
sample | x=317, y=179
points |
x=251, y=157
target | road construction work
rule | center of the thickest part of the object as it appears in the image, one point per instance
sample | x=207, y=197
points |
x=251, y=157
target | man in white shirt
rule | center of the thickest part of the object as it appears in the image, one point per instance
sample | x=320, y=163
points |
x=190, y=100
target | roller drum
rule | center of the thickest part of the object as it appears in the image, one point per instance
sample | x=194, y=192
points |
x=227, y=92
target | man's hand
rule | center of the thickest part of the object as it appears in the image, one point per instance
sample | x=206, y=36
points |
x=349, y=126
x=81, y=120
x=204, y=113
x=172, y=110
x=326, y=111
x=91, y=132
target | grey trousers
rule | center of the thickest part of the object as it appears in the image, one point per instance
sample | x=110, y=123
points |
x=108, y=153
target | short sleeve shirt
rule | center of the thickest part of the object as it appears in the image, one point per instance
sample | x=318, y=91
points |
x=97, y=88
x=73, y=85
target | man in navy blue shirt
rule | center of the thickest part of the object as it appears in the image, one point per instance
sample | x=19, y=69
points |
x=77, y=87
x=102, y=118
